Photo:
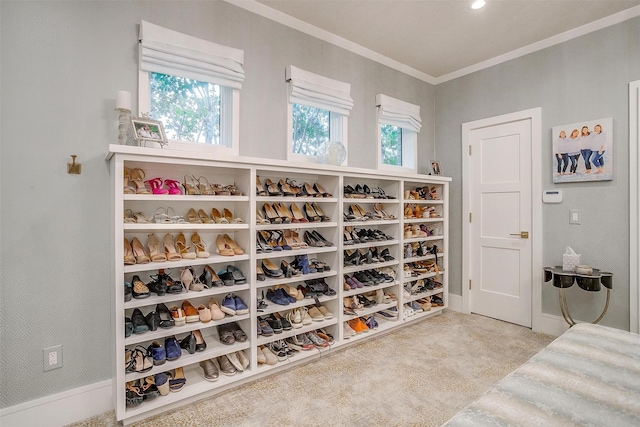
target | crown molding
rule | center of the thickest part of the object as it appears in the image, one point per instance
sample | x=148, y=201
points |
x=289, y=21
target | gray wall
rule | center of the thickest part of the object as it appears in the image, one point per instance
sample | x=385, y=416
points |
x=62, y=64
x=582, y=79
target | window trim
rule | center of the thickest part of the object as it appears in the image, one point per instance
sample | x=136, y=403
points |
x=406, y=116
x=314, y=90
x=169, y=52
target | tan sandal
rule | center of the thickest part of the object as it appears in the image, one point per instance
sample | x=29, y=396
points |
x=200, y=247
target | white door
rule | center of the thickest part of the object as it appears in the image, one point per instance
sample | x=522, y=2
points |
x=501, y=221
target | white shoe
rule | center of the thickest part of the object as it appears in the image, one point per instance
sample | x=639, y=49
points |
x=268, y=355
x=348, y=331
x=295, y=318
x=244, y=359
x=235, y=361
x=261, y=358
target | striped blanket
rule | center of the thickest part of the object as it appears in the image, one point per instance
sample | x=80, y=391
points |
x=589, y=376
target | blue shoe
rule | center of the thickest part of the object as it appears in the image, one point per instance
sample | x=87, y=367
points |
x=241, y=307
x=229, y=305
x=278, y=297
x=158, y=353
x=172, y=348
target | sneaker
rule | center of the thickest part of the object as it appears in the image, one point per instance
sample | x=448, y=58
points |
x=295, y=318
x=416, y=308
x=279, y=352
x=158, y=353
x=325, y=312
x=391, y=312
x=315, y=314
x=270, y=357
x=325, y=336
x=408, y=311
x=228, y=305
x=276, y=324
x=371, y=323
x=316, y=340
x=283, y=344
x=347, y=331
x=300, y=342
x=286, y=325
x=264, y=328
x=241, y=307
x=306, y=319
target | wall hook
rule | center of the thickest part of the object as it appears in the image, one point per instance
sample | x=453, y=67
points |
x=74, y=168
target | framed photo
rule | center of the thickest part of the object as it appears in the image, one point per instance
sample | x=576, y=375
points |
x=146, y=129
x=583, y=151
x=435, y=168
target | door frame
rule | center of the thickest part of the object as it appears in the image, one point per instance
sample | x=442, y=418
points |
x=535, y=115
x=634, y=206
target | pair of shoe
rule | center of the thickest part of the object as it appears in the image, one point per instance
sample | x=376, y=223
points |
x=141, y=390
x=232, y=305
x=232, y=363
x=226, y=246
x=280, y=296
x=193, y=342
x=230, y=333
x=266, y=356
x=358, y=325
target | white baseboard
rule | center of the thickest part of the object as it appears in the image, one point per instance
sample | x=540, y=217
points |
x=455, y=303
x=62, y=408
x=553, y=325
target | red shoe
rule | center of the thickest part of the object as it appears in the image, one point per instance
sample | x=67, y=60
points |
x=156, y=186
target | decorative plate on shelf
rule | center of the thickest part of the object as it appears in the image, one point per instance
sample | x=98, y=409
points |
x=332, y=153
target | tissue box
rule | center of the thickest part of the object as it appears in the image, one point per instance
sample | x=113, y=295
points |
x=570, y=259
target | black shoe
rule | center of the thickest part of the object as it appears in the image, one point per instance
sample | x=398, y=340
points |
x=237, y=331
x=153, y=320
x=157, y=285
x=189, y=343
x=139, y=323
x=275, y=324
x=238, y=277
x=166, y=320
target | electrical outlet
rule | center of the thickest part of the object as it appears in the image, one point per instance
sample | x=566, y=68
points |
x=52, y=357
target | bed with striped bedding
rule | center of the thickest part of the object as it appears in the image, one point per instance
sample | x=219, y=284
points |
x=589, y=376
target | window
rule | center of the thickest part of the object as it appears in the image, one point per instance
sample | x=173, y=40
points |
x=192, y=86
x=318, y=111
x=398, y=126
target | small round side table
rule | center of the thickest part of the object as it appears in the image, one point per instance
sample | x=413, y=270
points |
x=565, y=279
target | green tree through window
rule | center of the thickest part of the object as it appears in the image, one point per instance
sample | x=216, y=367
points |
x=391, y=142
x=189, y=109
x=310, y=129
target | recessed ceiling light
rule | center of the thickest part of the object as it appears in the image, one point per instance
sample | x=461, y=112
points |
x=478, y=4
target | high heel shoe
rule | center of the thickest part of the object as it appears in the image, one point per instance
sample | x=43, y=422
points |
x=219, y=219
x=272, y=188
x=312, y=240
x=288, y=238
x=210, y=278
x=191, y=186
x=321, y=190
x=181, y=244
x=157, y=186
x=312, y=215
x=154, y=249
x=309, y=191
x=321, y=214
x=319, y=237
x=204, y=217
x=233, y=245
x=222, y=247
x=128, y=186
x=283, y=213
x=139, y=252
x=200, y=247
x=174, y=186
x=260, y=191
x=228, y=215
x=285, y=189
x=193, y=217
x=261, y=243
x=170, y=248
x=204, y=186
x=137, y=176
x=129, y=258
x=271, y=214
x=260, y=219
x=297, y=214
x=297, y=240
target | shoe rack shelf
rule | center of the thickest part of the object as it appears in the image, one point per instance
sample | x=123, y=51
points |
x=244, y=175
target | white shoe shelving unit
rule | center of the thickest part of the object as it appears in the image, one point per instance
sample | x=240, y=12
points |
x=174, y=164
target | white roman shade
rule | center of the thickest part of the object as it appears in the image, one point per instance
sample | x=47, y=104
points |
x=170, y=52
x=317, y=91
x=398, y=113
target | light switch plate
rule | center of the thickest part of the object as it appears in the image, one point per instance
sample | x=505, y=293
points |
x=574, y=216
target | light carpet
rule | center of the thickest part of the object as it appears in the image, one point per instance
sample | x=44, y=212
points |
x=419, y=375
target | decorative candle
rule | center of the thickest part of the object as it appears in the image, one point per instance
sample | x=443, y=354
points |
x=123, y=101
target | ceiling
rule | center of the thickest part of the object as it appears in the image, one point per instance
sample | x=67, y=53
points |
x=438, y=38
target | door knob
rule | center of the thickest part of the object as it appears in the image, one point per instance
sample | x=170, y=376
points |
x=522, y=234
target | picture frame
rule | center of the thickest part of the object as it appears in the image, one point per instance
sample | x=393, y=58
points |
x=583, y=151
x=146, y=129
x=435, y=168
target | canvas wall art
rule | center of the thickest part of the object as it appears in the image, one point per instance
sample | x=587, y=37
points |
x=583, y=151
